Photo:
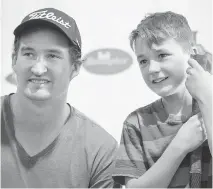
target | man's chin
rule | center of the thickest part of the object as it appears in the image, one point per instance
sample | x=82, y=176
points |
x=39, y=95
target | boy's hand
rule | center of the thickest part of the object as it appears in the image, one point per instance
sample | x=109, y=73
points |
x=191, y=135
x=199, y=81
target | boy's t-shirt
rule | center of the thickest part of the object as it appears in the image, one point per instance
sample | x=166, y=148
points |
x=80, y=157
x=146, y=134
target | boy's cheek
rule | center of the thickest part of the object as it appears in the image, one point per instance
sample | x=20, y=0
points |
x=146, y=76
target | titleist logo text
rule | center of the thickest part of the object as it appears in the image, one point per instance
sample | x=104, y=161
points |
x=49, y=16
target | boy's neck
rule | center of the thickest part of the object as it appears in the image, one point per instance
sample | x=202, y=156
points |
x=178, y=104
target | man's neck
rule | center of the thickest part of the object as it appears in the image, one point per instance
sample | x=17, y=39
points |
x=44, y=112
x=37, y=123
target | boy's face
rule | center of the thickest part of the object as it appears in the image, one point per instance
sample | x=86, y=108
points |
x=43, y=65
x=163, y=66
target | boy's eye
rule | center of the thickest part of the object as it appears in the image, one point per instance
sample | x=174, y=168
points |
x=143, y=62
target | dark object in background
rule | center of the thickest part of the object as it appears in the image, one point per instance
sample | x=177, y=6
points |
x=203, y=57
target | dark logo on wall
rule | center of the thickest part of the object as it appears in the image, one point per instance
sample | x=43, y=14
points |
x=107, y=61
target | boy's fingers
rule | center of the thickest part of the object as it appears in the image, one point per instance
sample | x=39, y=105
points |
x=194, y=64
x=199, y=115
x=189, y=70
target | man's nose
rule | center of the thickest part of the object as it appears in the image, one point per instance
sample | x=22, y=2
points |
x=39, y=68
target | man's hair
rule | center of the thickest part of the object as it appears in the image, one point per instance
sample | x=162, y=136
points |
x=161, y=26
x=74, y=50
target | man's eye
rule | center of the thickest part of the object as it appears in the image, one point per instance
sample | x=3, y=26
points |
x=163, y=55
x=53, y=56
x=28, y=54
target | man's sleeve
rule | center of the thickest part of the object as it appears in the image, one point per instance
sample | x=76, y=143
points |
x=130, y=159
x=101, y=173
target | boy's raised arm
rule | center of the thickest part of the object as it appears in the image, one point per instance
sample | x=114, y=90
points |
x=199, y=84
x=188, y=138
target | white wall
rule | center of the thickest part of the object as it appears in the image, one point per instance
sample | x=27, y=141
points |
x=105, y=23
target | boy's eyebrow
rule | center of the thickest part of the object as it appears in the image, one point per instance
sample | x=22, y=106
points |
x=159, y=50
x=140, y=56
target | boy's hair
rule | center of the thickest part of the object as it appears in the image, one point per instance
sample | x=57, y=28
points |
x=160, y=26
x=74, y=50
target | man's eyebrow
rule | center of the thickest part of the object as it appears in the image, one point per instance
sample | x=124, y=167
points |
x=27, y=49
x=54, y=51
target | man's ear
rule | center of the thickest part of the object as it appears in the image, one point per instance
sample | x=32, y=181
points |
x=75, y=69
x=14, y=58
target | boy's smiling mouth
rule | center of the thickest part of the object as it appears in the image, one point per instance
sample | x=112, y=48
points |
x=158, y=80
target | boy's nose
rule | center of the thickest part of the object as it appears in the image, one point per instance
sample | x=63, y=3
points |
x=154, y=66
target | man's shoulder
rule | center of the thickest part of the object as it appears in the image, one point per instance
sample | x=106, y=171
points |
x=3, y=98
x=92, y=130
x=144, y=114
x=82, y=117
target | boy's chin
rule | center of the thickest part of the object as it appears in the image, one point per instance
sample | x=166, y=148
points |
x=168, y=92
x=164, y=92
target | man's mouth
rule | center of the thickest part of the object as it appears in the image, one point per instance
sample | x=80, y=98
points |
x=159, y=80
x=39, y=81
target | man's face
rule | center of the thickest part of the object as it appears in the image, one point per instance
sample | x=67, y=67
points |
x=43, y=65
x=163, y=66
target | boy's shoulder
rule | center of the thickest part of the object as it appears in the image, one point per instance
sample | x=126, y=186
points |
x=145, y=114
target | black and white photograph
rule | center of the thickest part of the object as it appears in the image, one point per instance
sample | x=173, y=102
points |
x=106, y=93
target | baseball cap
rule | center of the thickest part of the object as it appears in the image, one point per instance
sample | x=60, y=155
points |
x=61, y=20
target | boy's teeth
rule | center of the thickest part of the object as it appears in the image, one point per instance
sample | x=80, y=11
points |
x=158, y=80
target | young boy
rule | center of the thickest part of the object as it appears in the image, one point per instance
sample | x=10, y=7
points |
x=157, y=140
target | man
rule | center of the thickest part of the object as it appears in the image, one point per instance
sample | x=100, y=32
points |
x=45, y=141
